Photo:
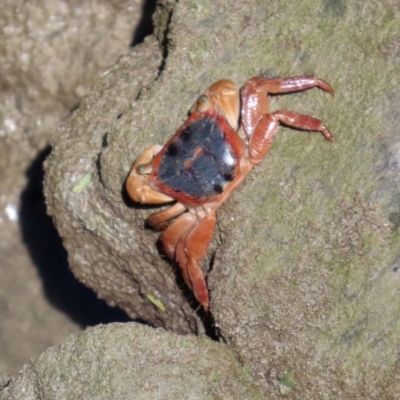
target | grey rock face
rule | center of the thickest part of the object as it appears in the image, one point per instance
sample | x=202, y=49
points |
x=130, y=361
x=50, y=54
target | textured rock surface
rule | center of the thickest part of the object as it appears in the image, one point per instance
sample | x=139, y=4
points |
x=109, y=249
x=85, y=192
x=130, y=361
x=305, y=283
x=50, y=53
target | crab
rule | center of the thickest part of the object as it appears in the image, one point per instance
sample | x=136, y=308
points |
x=228, y=132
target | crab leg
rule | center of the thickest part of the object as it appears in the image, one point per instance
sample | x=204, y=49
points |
x=195, y=246
x=288, y=85
x=301, y=121
x=172, y=235
x=262, y=138
x=255, y=100
x=268, y=126
x=158, y=219
x=186, y=241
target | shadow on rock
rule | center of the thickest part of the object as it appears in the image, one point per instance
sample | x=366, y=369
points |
x=61, y=288
x=145, y=26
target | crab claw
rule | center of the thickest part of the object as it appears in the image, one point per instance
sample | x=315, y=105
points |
x=136, y=184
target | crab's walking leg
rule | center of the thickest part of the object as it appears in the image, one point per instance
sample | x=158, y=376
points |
x=255, y=100
x=288, y=85
x=159, y=220
x=262, y=137
x=301, y=121
x=171, y=237
x=195, y=246
x=266, y=129
x=186, y=241
x=178, y=229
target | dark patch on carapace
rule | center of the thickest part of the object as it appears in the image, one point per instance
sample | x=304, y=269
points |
x=218, y=188
x=172, y=150
x=229, y=177
x=185, y=135
x=199, y=174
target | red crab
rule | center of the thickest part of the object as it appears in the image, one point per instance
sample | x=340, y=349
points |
x=228, y=132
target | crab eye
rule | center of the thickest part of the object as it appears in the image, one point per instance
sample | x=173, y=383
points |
x=203, y=98
x=145, y=169
x=203, y=103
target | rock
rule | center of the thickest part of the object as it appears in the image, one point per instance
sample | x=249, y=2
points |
x=50, y=53
x=126, y=361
